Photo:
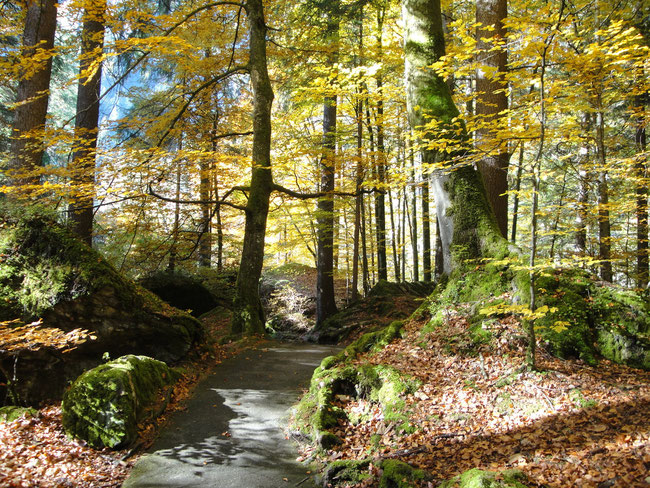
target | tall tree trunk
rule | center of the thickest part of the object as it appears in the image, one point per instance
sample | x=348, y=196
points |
x=33, y=93
x=87, y=120
x=173, y=250
x=515, y=203
x=604, y=224
x=380, y=193
x=215, y=185
x=248, y=315
x=641, y=209
x=414, y=216
x=395, y=233
x=358, y=200
x=365, y=271
x=205, y=239
x=468, y=228
x=426, y=228
x=491, y=101
x=584, y=181
x=325, y=302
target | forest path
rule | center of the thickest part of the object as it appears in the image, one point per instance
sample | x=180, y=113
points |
x=231, y=434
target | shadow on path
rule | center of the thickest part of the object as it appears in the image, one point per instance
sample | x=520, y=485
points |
x=231, y=434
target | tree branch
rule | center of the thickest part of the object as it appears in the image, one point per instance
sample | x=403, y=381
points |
x=221, y=201
x=307, y=196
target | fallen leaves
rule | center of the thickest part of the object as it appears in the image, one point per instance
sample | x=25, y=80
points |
x=570, y=425
x=36, y=453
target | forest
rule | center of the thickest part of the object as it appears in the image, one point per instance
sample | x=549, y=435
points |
x=413, y=181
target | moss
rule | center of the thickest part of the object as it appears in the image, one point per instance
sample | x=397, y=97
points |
x=43, y=264
x=475, y=478
x=346, y=471
x=104, y=405
x=315, y=413
x=11, y=413
x=397, y=474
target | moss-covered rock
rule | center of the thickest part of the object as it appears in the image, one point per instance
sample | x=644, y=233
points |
x=587, y=318
x=11, y=413
x=47, y=273
x=475, y=478
x=181, y=291
x=386, y=302
x=345, y=472
x=104, y=405
x=398, y=474
x=316, y=412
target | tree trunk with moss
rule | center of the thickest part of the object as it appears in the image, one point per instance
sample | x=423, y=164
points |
x=491, y=102
x=468, y=228
x=248, y=315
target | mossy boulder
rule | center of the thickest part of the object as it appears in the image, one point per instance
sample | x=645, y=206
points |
x=394, y=473
x=386, y=302
x=589, y=318
x=476, y=478
x=316, y=413
x=11, y=413
x=586, y=318
x=47, y=273
x=104, y=405
x=398, y=474
x=181, y=291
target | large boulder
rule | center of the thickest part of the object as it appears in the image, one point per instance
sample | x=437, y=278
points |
x=104, y=405
x=181, y=291
x=46, y=273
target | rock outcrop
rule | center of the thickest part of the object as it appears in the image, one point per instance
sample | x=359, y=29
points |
x=46, y=273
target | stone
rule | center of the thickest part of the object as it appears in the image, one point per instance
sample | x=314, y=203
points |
x=105, y=404
x=47, y=273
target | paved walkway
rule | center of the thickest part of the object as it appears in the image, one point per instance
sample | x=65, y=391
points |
x=231, y=435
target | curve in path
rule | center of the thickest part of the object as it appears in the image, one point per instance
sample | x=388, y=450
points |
x=231, y=434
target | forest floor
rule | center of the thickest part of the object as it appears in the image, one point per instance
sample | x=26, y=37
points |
x=35, y=452
x=567, y=425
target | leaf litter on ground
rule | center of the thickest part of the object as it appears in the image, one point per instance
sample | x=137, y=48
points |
x=567, y=425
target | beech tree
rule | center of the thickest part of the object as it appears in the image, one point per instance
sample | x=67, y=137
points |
x=32, y=99
x=467, y=225
x=491, y=104
x=248, y=315
x=82, y=165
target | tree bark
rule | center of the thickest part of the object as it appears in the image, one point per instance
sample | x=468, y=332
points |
x=325, y=301
x=33, y=94
x=641, y=204
x=205, y=239
x=414, y=217
x=87, y=120
x=426, y=229
x=468, y=228
x=248, y=315
x=380, y=193
x=604, y=224
x=491, y=101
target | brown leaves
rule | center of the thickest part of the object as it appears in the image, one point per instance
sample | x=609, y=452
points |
x=571, y=425
x=36, y=453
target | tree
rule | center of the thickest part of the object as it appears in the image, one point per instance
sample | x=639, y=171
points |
x=87, y=119
x=491, y=103
x=467, y=225
x=33, y=92
x=248, y=315
x=325, y=303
